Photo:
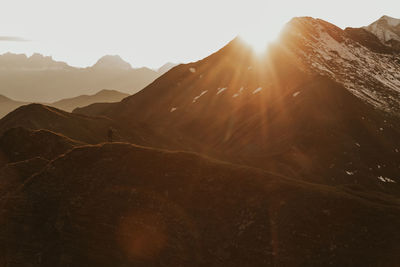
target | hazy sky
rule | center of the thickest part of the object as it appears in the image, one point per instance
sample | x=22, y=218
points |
x=150, y=32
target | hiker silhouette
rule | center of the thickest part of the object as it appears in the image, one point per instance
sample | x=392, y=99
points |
x=110, y=134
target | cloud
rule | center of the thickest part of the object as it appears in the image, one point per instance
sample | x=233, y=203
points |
x=12, y=39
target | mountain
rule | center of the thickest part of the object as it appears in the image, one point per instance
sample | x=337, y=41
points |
x=112, y=63
x=14, y=175
x=318, y=106
x=387, y=29
x=375, y=83
x=7, y=105
x=103, y=96
x=24, y=152
x=40, y=79
x=36, y=62
x=369, y=40
x=124, y=205
x=166, y=67
x=20, y=144
x=69, y=104
x=78, y=127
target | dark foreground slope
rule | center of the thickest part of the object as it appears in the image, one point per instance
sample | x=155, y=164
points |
x=123, y=205
x=19, y=144
x=24, y=152
x=13, y=175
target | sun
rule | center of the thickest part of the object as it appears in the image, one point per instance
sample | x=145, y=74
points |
x=259, y=37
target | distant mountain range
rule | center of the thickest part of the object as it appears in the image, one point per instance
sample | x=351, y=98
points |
x=10, y=61
x=69, y=104
x=41, y=79
x=103, y=96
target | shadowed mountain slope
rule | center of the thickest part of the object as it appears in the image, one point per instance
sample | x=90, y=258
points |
x=24, y=152
x=82, y=128
x=13, y=175
x=19, y=144
x=78, y=127
x=118, y=204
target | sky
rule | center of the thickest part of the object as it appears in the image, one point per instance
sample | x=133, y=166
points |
x=153, y=32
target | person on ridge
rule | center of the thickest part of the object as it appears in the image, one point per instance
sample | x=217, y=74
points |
x=110, y=134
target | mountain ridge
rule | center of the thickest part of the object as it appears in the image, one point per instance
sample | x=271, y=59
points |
x=102, y=96
x=67, y=104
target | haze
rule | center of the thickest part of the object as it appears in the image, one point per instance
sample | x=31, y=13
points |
x=150, y=33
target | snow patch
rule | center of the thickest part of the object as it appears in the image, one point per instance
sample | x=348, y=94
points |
x=220, y=90
x=350, y=173
x=386, y=180
x=239, y=92
x=192, y=70
x=257, y=90
x=296, y=94
x=173, y=109
x=197, y=97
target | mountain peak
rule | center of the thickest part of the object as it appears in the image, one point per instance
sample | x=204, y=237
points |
x=112, y=62
x=387, y=29
x=390, y=20
x=105, y=92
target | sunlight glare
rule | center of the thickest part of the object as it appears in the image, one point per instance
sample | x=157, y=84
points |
x=261, y=36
